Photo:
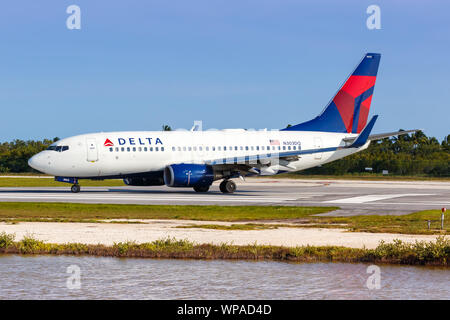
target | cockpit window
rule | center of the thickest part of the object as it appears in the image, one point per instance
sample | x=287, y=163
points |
x=58, y=148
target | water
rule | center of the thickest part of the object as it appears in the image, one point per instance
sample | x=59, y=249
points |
x=45, y=277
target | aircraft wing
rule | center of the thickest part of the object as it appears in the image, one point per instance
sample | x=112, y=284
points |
x=390, y=134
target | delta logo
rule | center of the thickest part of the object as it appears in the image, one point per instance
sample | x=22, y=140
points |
x=133, y=141
x=108, y=143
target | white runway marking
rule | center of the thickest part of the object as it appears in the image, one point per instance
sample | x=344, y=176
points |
x=373, y=197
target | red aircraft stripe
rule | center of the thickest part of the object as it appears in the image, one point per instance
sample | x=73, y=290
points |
x=363, y=113
x=356, y=85
x=345, y=104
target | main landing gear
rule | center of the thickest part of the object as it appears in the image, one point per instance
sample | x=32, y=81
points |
x=75, y=188
x=227, y=186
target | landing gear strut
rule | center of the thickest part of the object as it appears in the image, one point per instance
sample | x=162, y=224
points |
x=75, y=188
x=201, y=188
x=227, y=186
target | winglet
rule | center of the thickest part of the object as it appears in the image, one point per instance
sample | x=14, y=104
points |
x=364, y=135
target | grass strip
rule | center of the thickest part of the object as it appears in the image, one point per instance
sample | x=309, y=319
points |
x=289, y=216
x=413, y=223
x=435, y=253
x=74, y=211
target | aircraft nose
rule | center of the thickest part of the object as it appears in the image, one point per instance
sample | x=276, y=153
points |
x=36, y=162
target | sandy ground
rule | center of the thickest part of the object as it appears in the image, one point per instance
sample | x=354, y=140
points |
x=108, y=233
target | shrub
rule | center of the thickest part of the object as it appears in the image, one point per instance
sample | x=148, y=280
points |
x=31, y=245
x=6, y=240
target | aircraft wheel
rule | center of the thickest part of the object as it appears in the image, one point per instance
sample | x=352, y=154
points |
x=201, y=188
x=227, y=186
x=75, y=188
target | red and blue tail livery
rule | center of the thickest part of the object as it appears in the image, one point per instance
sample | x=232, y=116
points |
x=347, y=112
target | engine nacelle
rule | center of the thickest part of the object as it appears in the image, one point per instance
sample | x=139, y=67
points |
x=188, y=175
x=144, y=181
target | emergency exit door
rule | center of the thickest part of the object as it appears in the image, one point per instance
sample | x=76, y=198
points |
x=92, y=151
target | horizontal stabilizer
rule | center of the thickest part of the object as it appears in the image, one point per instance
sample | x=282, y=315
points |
x=364, y=135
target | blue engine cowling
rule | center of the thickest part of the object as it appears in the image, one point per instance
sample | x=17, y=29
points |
x=188, y=175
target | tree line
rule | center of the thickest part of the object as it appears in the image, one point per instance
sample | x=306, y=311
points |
x=412, y=154
x=14, y=155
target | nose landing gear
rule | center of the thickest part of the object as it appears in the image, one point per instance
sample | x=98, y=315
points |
x=75, y=188
x=227, y=186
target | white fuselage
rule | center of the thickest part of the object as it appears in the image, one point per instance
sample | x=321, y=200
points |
x=124, y=153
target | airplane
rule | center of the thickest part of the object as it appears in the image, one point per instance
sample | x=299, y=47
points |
x=196, y=159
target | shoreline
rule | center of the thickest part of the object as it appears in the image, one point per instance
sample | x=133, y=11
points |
x=421, y=253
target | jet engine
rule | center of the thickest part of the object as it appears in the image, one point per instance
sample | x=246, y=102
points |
x=188, y=175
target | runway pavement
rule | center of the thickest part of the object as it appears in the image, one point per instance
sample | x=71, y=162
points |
x=353, y=197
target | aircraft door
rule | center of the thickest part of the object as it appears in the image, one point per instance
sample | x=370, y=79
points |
x=92, y=151
x=317, y=145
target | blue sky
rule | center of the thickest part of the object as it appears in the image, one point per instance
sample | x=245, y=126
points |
x=136, y=65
